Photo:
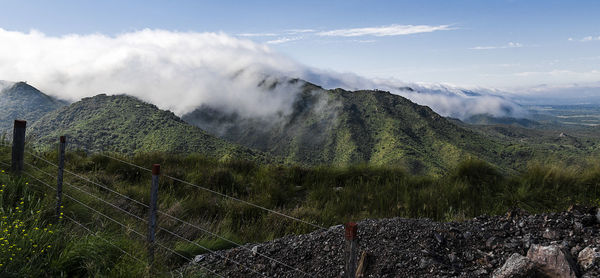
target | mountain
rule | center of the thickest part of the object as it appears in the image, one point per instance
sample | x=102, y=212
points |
x=22, y=101
x=342, y=128
x=126, y=124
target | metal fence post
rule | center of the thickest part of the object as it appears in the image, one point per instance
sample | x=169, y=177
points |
x=351, y=249
x=59, y=181
x=153, y=209
x=18, y=147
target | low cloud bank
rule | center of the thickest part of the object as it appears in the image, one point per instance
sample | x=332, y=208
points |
x=173, y=70
x=180, y=71
x=446, y=100
x=566, y=94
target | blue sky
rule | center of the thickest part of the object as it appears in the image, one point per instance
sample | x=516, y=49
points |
x=499, y=44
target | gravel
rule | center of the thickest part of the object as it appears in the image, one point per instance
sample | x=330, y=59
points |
x=400, y=247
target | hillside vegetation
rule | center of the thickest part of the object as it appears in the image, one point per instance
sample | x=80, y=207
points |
x=125, y=124
x=343, y=128
x=24, y=102
x=322, y=195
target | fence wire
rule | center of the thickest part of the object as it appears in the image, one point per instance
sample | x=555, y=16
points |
x=165, y=214
x=222, y=195
x=107, y=241
x=124, y=225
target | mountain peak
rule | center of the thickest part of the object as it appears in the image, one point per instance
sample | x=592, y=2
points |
x=20, y=100
x=127, y=124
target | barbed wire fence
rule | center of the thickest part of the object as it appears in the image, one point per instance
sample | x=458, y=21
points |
x=71, y=191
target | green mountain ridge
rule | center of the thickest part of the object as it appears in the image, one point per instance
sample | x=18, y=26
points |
x=343, y=128
x=128, y=125
x=22, y=101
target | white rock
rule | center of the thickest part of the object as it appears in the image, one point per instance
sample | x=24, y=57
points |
x=198, y=258
x=552, y=261
x=588, y=257
x=515, y=266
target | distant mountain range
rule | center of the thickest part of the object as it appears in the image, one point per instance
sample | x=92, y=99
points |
x=323, y=127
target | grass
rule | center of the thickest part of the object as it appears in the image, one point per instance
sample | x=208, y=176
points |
x=322, y=195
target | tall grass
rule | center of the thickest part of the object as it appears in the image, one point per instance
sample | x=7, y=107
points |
x=321, y=195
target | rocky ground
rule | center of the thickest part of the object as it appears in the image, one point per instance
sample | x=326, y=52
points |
x=514, y=245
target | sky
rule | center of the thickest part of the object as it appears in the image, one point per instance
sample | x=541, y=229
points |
x=494, y=43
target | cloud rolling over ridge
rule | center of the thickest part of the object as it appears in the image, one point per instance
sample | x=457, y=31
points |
x=180, y=71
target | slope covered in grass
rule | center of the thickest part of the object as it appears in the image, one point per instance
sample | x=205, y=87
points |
x=125, y=124
x=24, y=102
x=343, y=128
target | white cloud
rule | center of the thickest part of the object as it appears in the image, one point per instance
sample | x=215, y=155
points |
x=508, y=45
x=590, y=38
x=364, y=41
x=284, y=40
x=559, y=94
x=586, y=39
x=574, y=76
x=183, y=70
x=389, y=30
x=257, y=35
x=299, y=31
x=174, y=70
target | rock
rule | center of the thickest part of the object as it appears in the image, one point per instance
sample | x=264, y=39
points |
x=452, y=258
x=425, y=248
x=467, y=234
x=552, y=261
x=516, y=266
x=198, y=258
x=588, y=257
x=550, y=234
x=588, y=220
x=440, y=239
x=425, y=263
x=480, y=272
x=492, y=242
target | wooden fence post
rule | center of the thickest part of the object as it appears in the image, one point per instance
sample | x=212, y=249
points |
x=351, y=249
x=153, y=209
x=59, y=180
x=18, y=147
